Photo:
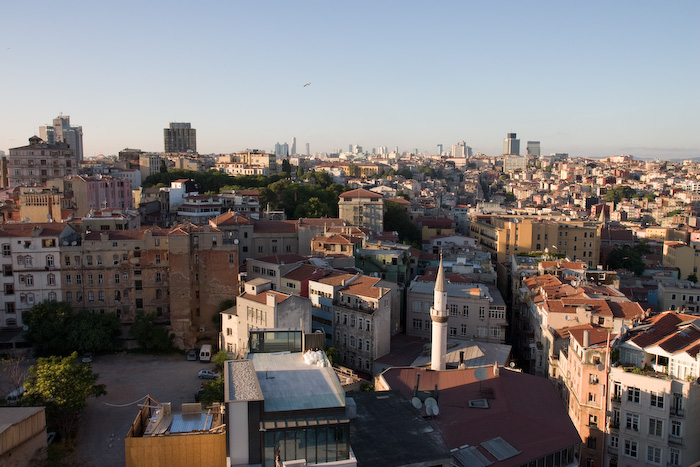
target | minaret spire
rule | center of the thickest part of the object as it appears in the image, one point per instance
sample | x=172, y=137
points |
x=439, y=316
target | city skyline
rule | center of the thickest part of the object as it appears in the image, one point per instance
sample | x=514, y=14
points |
x=590, y=80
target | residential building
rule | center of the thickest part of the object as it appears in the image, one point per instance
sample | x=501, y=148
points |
x=654, y=394
x=685, y=258
x=180, y=137
x=680, y=295
x=273, y=268
x=39, y=161
x=362, y=208
x=63, y=132
x=476, y=311
x=199, y=209
x=357, y=309
x=93, y=193
x=260, y=307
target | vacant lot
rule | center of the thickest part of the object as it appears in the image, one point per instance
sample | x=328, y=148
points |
x=129, y=378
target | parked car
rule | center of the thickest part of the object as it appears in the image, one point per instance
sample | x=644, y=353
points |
x=192, y=355
x=87, y=357
x=207, y=374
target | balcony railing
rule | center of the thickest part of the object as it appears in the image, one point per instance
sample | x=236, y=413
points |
x=615, y=425
x=675, y=440
x=677, y=411
x=617, y=398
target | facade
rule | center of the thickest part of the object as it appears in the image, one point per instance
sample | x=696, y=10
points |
x=355, y=311
x=506, y=235
x=180, y=137
x=514, y=163
x=39, y=161
x=511, y=145
x=533, y=148
x=362, y=208
x=655, y=394
x=685, y=258
x=31, y=267
x=679, y=295
x=259, y=307
x=93, y=193
x=199, y=209
x=476, y=311
x=62, y=132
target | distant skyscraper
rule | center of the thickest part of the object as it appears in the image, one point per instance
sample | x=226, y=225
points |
x=439, y=149
x=62, y=132
x=180, y=137
x=511, y=145
x=308, y=150
x=282, y=150
x=533, y=148
x=294, y=146
x=461, y=150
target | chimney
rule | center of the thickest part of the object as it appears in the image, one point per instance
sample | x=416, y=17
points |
x=271, y=299
x=586, y=338
x=415, y=389
x=462, y=366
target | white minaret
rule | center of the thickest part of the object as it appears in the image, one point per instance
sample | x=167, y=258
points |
x=439, y=315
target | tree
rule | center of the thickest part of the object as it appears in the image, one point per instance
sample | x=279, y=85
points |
x=510, y=197
x=286, y=167
x=213, y=392
x=64, y=386
x=163, y=167
x=629, y=258
x=219, y=360
x=55, y=329
x=150, y=336
x=619, y=193
x=396, y=219
x=693, y=277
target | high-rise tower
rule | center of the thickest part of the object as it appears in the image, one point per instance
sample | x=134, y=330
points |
x=511, y=145
x=439, y=315
x=180, y=137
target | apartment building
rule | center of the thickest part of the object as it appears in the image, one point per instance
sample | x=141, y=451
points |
x=31, y=258
x=679, y=295
x=503, y=236
x=581, y=377
x=476, y=311
x=362, y=208
x=357, y=309
x=260, y=307
x=92, y=193
x=655, y=394
x=40, y=161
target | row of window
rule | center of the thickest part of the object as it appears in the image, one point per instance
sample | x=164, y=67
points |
x=355, y=343
x=493, y=332
x=654, y=454
x=353, y=321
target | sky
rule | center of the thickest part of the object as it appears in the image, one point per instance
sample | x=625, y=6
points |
x=591, y=79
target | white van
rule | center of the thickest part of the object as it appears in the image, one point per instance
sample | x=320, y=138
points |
x=205, y=353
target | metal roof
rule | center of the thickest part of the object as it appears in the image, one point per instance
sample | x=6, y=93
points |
x=499, y=448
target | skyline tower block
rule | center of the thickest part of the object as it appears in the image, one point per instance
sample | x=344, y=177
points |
x=439, y=316
x=511, y=145
x=180, y=137
x=533, y=148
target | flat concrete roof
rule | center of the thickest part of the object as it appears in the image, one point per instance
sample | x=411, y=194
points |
x=288, y=383
x=12, y=415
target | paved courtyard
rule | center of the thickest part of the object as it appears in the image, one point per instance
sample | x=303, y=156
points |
x=130, y=377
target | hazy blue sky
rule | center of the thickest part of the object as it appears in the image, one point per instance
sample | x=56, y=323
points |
x=589, y=78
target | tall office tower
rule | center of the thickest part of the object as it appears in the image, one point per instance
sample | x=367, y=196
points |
x=511, y=145
x=439, y=149
x=180, y=137
x=349, y=147
x=62, y=132
x=461, y=149
x=533, y=148
x=282, y=150
x=308, y=150
x=294, y=146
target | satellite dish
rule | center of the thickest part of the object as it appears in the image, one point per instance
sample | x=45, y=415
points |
x=430, y=402
x=235, y=242
x=73, y=243
x=429, y=409
x=481, y=374
x=601, y=367
x=436, y=410
x=511, y=364
x=416, y=403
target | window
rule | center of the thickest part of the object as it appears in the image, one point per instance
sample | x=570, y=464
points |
x=27, y=260
x=139, y=303
x=138, y=285
x=6, y=249
x=49, y=260
x=630, y=448
x=368, y=326
x=497, y=314
x=51, y=279
x=91, y=296
x=101, y=295
x=159, y=277
x=656, y=427
x=657, y=399
x=614, y=441
x=482, y=312
x=591, y=442
x=495, y=332
x=100, y=279
x=229, y=331
x=453, y=331
x=78, y=296
x=90, y=279
x=116, y=278
x=7, y=270
x=29, y=280
x=260, y=249
x=465, y=311
x=632, y=421
x=159, y=294
x=633, y=394
x=654, y=454
x=69, y=296
x=231, y=258
x=99, y=260
x=676, y=428
x=9, y=289
x=592, y=420
x=674, y=456
x=463, y=330
x=88, y=260
x=367, y=345
x=453, y=309
x=359, y=344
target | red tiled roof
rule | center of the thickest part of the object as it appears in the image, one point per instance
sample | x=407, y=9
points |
x=230, y=218
x=262, y=296
x=365, y=286
x=282, y=259
x=360, y=193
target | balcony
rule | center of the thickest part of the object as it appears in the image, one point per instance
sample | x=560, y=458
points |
x=677, y=440
x=614, y=425
x=612, y=450
x=616, y=398
x=676, y=411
